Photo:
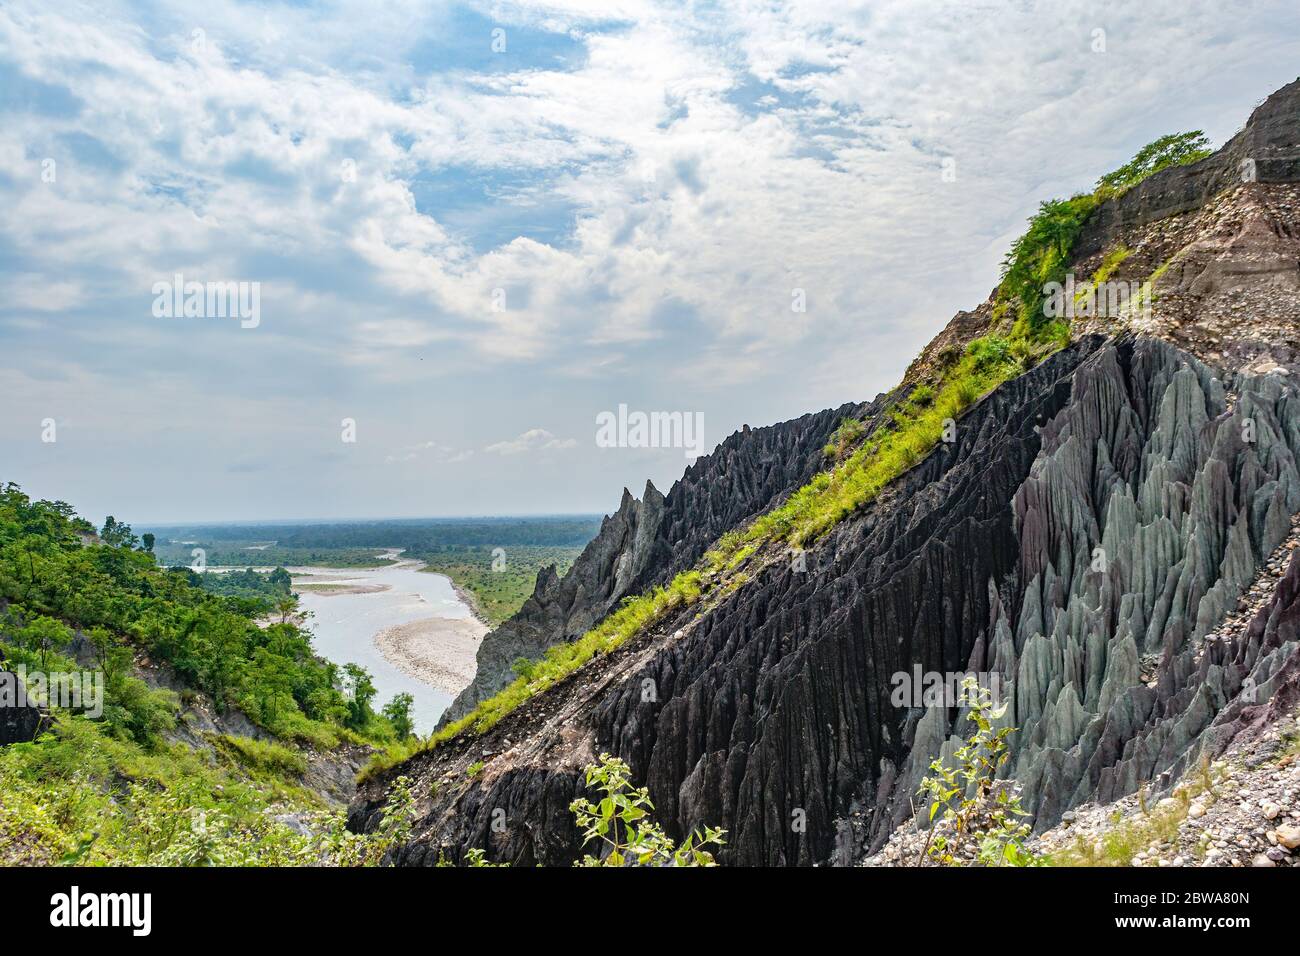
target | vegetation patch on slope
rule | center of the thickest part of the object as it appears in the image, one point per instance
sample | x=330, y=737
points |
x=102, y=783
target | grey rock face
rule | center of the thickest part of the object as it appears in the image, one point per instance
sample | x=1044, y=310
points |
x=1154, y=501
x=648, y=541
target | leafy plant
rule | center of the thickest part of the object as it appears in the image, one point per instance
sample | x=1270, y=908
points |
x=619, y=824
x=967, y=797
x=1175, y=149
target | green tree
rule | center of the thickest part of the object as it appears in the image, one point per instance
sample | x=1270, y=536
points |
x=398, y=712
x=360, y=692
x=274, y=682
x=117, y=534
x=42, y=635
x=1176, y=149
x=285, y=606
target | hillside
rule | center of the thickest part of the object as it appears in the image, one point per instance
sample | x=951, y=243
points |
x=1094, y=509
x=148, y=721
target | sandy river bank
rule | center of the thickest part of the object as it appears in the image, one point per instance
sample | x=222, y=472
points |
x=439, y=651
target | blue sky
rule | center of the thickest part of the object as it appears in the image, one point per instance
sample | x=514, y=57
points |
x=475, y=227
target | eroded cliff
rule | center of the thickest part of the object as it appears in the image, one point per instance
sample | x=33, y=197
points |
x=1093, y=534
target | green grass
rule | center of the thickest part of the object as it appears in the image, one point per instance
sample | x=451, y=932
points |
x=848, y=434
x=912, y=432
x=262, y=755
x=1123, y=841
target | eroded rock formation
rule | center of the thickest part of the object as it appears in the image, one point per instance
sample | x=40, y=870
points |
x=1098, y=536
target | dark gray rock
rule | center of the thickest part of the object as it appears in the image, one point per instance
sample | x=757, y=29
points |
x=20, y=720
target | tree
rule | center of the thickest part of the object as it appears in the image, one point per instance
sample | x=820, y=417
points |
x=360, y=691
x=43, y=635
x=148, y=540
x=274, y=681
x=117, y=534
x=398, y=712
x=286, y=606
x=1176, y=149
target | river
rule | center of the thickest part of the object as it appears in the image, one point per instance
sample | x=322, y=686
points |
x=370, y=601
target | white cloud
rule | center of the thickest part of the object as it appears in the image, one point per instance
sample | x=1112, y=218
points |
x=429, y=450
x=535, y=439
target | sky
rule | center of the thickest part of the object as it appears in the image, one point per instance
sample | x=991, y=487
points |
x=472, y=229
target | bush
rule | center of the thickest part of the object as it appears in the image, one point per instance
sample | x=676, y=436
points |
x=976, y=808
x=619, y=824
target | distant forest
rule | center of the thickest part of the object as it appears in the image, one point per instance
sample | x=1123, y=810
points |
x=354, y=544
x=495, y=560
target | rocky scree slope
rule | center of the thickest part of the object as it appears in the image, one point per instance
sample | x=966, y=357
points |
x=1085, y=537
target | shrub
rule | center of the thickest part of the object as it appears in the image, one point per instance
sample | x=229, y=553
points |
x=974, y=806
x=262, y=754
x=922, y=396
x=619, y=824
x=989, y=352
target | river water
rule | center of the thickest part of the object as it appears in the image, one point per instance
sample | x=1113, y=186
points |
x=345, y=625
